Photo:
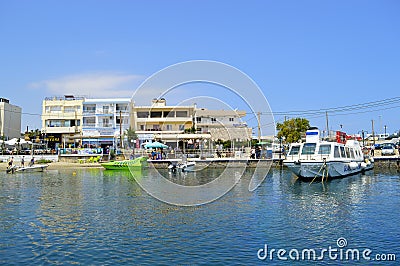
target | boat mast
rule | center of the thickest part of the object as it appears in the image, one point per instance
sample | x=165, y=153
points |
x=327, y=124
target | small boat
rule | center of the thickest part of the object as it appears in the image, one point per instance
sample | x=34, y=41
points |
x=321, y=160
x=182, y=166
x=32, y=168
x=125, y=164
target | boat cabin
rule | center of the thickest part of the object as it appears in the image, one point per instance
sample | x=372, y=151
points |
x=314, y=149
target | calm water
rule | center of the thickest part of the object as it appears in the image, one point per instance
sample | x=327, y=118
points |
x=96, y=217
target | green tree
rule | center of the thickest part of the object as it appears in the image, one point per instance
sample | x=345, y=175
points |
x=130, y=135
x=292, y=129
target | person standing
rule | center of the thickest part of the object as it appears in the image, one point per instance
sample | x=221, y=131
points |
x=32, y=161
x=23, y=161
x=10, y=162
x=373, y=150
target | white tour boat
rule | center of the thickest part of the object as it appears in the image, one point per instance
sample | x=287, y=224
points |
x=316, y=159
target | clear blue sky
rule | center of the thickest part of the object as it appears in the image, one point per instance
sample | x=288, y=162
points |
x=304, y=55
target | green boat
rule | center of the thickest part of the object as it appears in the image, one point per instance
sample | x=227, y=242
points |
x=126, y=164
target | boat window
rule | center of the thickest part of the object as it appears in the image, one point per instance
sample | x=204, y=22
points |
x=352, y=153
x=294, y=150
x=324, y=149
x=336, y=152
x=342, y=152
x=347, y=152
x=308, y=148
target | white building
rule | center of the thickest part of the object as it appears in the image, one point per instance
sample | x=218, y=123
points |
x=62, y=120
x=222, y=124
x=10, y=119
x=104, y=120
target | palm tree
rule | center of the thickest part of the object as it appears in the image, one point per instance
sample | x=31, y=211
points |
x=130, y=135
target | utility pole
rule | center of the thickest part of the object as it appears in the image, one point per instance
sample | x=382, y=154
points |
x=259, y=126
x=373, y=132
x=120, y=129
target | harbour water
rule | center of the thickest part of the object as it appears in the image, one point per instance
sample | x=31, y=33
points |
x=97, y=217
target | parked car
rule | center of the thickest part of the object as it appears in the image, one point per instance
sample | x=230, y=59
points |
x=388, y=149
x=378, y=146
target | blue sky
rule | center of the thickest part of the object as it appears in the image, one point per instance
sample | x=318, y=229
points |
x=304, y=55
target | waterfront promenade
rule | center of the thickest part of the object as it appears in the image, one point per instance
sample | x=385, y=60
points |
x=391, y=162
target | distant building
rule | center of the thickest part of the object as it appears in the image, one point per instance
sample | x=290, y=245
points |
x=207, y=119
x=159, y=121
x=62, y=120
x=222, y=124
x=10, y=119
x=103, y=121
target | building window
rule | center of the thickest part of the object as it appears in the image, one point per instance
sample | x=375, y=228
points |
x=122, y=107
x=169, y=114
x=213, y=119
x=155, y=114
x=142, y=127
x=106, y=109
x=89, y=122
x=198, y=119
x=181, y=127
x=142, y=114
x=181, y=114
x=69, y=109
x=55, y=109
x=89, y=108
x=168, y=127
x=231, y=119
x=106, y=122
x=156, y=127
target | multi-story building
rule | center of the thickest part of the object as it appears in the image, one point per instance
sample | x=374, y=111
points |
x=10, y=119
x=62, y=120
x=161, y=121
x=104, y=121
x=211, y=119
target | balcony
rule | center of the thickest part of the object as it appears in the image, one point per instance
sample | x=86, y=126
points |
x=89, y=112
x=74, y=129
x=89, y=125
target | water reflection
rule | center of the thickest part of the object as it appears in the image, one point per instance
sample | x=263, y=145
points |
x=93, y=216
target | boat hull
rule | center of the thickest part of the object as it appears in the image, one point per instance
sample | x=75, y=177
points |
x=125, y=164
x=189, y=166
x=33, y=168
x=317, y=170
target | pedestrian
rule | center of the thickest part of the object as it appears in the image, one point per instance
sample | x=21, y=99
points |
x=373, y=150
x=32, y=161
x=252, y=153
x=23, y=161
x=10, y=162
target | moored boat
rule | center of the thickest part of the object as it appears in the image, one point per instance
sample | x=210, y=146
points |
x=32, y=168
x=125, y=164
x=321, y=160
x=182, y=166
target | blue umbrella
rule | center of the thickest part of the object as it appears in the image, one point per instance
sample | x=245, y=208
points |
x=155, y=144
